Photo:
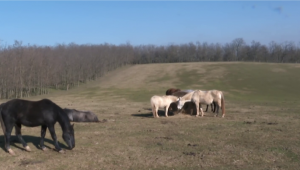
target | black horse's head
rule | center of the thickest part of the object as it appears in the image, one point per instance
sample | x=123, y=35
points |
x=68, y=136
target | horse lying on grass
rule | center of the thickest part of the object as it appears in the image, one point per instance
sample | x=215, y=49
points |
x=81, y=116
x=208, y=97
x=44, y=113
x=161, y=102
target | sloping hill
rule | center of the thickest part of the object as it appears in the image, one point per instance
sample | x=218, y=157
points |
x=257, y=82
x=260, y=130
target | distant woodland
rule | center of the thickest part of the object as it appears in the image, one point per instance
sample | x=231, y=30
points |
x=27, y=70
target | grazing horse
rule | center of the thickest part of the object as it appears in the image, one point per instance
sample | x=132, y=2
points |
x=161, y=101
x=44, y=113
x=171, y=91
x=208, y=97
x=81, y=116
x=187, y=98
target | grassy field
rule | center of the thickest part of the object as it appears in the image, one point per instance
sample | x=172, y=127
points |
x=260, y=129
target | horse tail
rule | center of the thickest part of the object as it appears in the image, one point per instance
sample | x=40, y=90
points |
x=1, y=120
x=223, y=105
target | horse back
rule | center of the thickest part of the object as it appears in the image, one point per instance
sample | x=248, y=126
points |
x=203, y=97
x=162, y=101
x=31, y=113
x=180, y=93
x=171, y=91
x=81, y=116
x=217, y=95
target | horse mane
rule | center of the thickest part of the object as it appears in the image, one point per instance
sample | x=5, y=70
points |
x=63, y=117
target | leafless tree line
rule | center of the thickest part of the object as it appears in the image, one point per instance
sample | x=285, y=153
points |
x=27, y=70
x=31, y=70
x=237, y=50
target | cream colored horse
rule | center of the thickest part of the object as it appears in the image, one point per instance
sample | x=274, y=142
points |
x=186, y=98
x=208, y=97
x=161, y=102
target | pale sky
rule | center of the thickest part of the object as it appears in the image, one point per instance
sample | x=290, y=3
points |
x=148, y=22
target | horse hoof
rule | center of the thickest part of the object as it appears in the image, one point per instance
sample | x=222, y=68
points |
x=10, y=151
x=27, y=148
x=61, y=151
x=44, y=149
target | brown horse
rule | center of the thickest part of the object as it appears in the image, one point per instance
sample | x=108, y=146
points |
x=171, y=91
x=161, y=102
x=208, y=97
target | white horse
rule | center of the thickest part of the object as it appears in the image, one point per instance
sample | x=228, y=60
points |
x=162, y=102
x=208, y=97
x=186, y=98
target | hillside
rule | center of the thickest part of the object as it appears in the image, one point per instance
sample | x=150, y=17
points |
x=259, y=131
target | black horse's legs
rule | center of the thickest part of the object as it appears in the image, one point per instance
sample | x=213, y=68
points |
x=19, y=135
x=7, y=134
x=206, y=108
x=217, y=108
x=53, y=135
x=43, y=134
x=213, y=106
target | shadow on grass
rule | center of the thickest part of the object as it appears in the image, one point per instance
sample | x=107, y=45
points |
x=150, y=115
x=30, y=139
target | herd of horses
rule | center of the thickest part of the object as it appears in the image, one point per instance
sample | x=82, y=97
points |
x=184, y=98
x=45, y=113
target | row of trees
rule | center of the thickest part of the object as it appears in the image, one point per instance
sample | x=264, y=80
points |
x=237, y=50
x=34, y=70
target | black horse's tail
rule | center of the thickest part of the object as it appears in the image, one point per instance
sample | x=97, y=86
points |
x=1, y=120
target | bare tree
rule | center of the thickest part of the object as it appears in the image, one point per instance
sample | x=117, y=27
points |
x=237, y=45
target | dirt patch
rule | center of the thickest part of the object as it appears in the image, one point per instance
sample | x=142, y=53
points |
x=278, y=70
x=29, y=162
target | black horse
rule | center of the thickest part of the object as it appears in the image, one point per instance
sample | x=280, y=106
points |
x=44, y=113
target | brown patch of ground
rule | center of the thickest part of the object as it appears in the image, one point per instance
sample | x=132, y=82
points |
x=276, y=70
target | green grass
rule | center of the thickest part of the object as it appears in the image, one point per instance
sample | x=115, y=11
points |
x=260, y=129
x=258, y=83
x=243, y=82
